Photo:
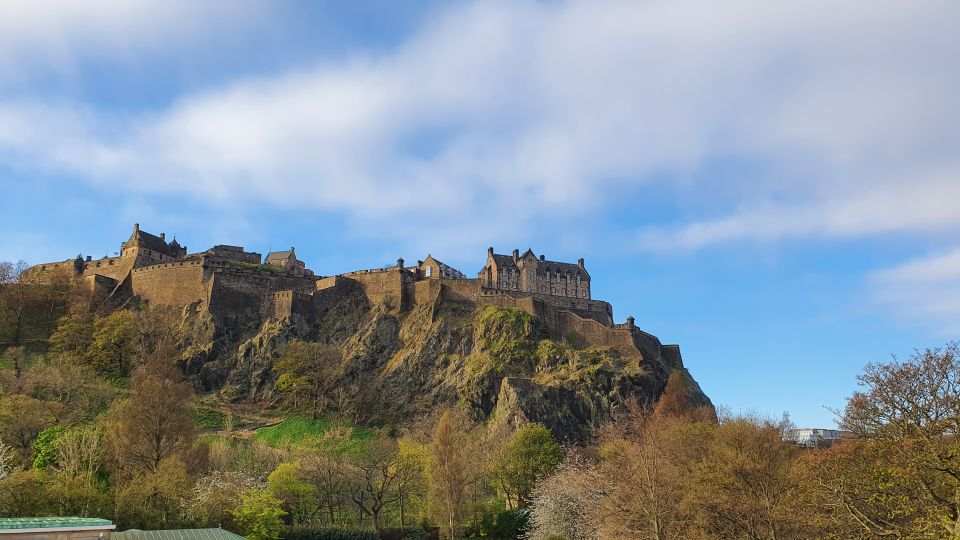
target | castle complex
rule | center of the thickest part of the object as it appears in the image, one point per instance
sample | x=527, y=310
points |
x=228, y=280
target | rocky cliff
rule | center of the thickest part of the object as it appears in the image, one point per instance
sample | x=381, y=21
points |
x=502, y=363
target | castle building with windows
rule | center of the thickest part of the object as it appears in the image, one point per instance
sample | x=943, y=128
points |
x=529, y=274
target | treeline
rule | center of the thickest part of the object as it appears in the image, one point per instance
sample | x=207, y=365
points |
x=671, y=473
x=32, y=302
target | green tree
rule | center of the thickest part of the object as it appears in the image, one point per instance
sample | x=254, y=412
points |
x=259, y=515
x=45, y=447
x=155, y=499
x=73, y=336
x=115, y=343
x=305, y=374
x=299, y=497
x=530, y=454
x=448, y=475
x=23, y=493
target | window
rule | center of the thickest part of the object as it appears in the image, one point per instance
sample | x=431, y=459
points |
x=429, y=271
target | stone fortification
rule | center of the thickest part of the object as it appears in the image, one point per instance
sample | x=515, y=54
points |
x=228, y=280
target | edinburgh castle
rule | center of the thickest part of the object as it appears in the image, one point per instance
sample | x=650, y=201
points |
x=228, y=279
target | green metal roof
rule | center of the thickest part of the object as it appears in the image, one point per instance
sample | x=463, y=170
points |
x=51, y=522
x=177, y=534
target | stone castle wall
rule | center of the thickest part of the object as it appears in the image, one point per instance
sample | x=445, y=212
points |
x=384, y=286
x=171, y=284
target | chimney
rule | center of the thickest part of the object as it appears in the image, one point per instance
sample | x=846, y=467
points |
x=400, y=263
x=516, y=255
x=490, y=251
x=630, y=321
x=136, y=227
x=163, y=236
x=580, y=262
x=543, y=257
x=89, y=258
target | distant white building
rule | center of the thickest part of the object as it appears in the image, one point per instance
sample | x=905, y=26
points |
x=814, y=437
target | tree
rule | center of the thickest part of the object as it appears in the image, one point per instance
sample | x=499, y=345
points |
x=648, y=460
x=7, y=458
x=155, y=422
x=259, y=515
x=22, y=418
x=902, y=477
x=115, y=343
x=23, y=493
x=530, y=454
x=74, y=391
x=448, y=475
x=328, y=475
x=215, y=495
x=305, y=374
x=17, y=286
x=299, y=497
x=44, y=447
x=743, y=485
x=568, y=504
x=155, y=499
x=374, y=475
x=412, y=459
x=73, y=336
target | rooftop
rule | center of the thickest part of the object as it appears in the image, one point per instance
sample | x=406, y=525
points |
x=176, y=534
x=21, y=524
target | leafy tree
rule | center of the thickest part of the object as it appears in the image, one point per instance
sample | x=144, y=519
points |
x=448, y=475
x=22, y=418
x=23, y=493
x=115, y=343
x=215, y=495
x=74, y=391
x=305, y=374
x=155, y=422
x=79, y=494
x=155, y=499
x=530, y=454
x=16, y=295
x=73, y=336
x=259, y=515
x=412, y=460
x=902, y=477
x=299, y=497
x=44, y=447
x=743, y=484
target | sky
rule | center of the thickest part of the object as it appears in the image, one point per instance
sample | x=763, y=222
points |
x=775, y=186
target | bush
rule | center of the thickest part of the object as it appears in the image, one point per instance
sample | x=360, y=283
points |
x=325, y=533
x=208, y=418
x=503, y=524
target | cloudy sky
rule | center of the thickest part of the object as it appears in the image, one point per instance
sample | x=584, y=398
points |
x=773, y=185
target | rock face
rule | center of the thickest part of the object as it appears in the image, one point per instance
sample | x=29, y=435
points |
x=502, y=363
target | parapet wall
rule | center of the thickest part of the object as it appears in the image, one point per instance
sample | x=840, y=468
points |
x=384, y=286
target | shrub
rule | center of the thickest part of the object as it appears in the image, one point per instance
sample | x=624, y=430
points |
x=326, y=533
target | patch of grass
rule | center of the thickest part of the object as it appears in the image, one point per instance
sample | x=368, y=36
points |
x=205, y=418
x=507, y=336
x=320, y=434
x=251, y=266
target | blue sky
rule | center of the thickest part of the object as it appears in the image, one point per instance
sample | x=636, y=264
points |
x=774, y=186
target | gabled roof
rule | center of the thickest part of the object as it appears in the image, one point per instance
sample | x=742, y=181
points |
x=503, y=260
x=553, y=266
x=275, y=255
x=151, y=242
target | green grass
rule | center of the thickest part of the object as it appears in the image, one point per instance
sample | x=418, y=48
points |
x=251, y=266
x=320, y=434
x=208, y=418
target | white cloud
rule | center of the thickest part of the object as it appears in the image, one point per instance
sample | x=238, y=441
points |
x=925, y=289
x=517, y=115
x=40, y=35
